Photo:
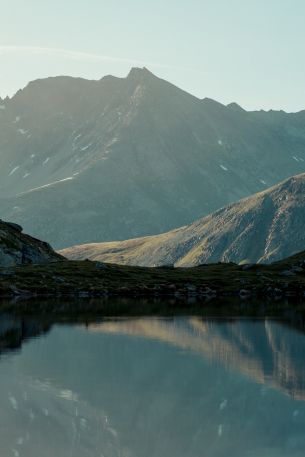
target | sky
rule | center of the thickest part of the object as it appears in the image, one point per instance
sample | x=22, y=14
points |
x=247, y=51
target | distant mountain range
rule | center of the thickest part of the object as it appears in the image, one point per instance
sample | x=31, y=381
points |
x=84, y=161
x=265, y=227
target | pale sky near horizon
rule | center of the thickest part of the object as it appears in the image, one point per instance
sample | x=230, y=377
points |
x=247, y=51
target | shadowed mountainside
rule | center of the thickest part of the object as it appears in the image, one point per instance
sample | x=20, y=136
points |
x=126, y=157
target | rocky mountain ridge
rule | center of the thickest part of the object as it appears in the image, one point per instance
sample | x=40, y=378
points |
x=127, y=157
x=265, y=227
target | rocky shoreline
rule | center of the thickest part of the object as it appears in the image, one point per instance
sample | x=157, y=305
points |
x=207, y=282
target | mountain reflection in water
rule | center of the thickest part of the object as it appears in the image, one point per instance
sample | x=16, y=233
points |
x=265, y=350
x=152, y=387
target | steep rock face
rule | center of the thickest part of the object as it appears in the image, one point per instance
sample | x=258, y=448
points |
x=127, y=157
x=263, y=228
x=17, y=248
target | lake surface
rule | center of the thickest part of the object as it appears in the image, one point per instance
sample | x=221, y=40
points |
x=152, y=387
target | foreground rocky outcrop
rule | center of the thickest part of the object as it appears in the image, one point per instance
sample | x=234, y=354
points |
x=265, y=227
x=16, y=248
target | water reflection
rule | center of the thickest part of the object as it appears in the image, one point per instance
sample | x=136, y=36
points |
x=152, y=387
x=14, y=331
x=264, y=349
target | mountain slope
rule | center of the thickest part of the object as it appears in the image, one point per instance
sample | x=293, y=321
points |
x=126, y=157
x=17, y=248
x=262, y=228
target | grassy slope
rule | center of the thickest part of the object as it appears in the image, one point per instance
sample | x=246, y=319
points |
x=257, y=229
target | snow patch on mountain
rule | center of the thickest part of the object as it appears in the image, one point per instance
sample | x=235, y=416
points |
x=14, y=170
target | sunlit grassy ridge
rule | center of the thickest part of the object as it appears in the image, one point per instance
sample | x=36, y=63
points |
x=265, y=227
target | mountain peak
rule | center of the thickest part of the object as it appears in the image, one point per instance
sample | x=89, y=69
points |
x=140, y=73
x=213, y=104
x=235, y=106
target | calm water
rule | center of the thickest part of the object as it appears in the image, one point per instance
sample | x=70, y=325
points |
x=152, y=387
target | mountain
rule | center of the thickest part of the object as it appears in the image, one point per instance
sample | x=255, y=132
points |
x=265, y=227
x=17, y=248
x=84, y=161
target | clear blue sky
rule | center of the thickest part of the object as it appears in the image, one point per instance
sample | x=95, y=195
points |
x=248, y=51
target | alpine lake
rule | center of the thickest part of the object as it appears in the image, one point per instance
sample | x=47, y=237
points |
x=213, y=383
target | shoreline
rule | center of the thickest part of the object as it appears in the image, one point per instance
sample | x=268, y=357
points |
x=88, y=279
